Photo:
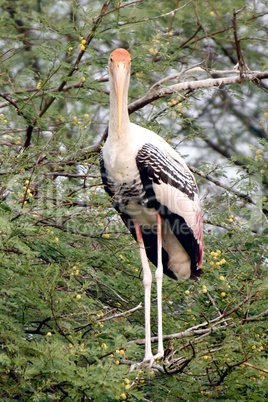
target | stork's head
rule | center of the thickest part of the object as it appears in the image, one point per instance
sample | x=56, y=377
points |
x=119, y=66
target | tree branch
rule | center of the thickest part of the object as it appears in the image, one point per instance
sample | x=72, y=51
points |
x=158, y=91
x=205, y=328
x=139, y=306
x=241, y=61
x=218, y=183
x=74, y=68
x=256, y=368
x=163, y=91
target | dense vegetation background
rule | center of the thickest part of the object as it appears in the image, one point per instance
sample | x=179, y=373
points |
x=71, y=323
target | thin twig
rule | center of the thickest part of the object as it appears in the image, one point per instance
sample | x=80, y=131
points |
x=139, y=306
x=222, y=185
x=257, y=316
x=172, y=12
x=240, y=58
x=256, y=368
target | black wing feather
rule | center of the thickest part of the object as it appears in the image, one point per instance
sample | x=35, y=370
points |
x=156, y=167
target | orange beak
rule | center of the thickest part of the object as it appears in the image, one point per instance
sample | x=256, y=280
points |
x=120, y=75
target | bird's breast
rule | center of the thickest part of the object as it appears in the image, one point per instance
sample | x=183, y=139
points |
x=130, y=197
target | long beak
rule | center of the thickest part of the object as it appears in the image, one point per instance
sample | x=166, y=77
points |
x=120, y=74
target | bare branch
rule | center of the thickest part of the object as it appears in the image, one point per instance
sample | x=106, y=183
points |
x=11, y=102
x=241, y=61
x=164, y=91
x=257, y=316
x=205, y=328
x=139, y=306
x=256, y=368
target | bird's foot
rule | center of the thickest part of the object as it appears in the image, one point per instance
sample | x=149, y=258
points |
x=149, y=361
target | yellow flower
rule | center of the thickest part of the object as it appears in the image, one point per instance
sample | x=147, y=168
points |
x=152, y=51
x=127, y=386
x=75, y=119
x=187, y=292
x=49, y=334
x=106, y=235
x=211, y=13
x=78, y=297
x=262, y=171
x=204, y=289
x=82, y=47
x=222, y=278
x=56, y=239
x=83, y=41
x=39, y=85
x=123, y=396
x=223, y=294
x=100, y=315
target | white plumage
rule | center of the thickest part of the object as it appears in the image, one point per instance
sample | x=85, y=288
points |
x=155, y=194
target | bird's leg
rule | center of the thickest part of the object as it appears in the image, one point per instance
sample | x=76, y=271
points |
x=159, y=280
x=147, y=282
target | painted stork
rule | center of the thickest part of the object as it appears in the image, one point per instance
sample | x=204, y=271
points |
x=155, y=194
